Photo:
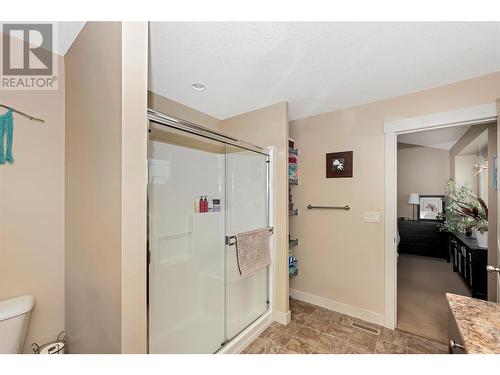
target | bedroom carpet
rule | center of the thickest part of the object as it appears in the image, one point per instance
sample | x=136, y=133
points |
x=422, y=305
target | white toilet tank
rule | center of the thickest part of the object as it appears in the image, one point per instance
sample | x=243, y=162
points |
x=14, y=320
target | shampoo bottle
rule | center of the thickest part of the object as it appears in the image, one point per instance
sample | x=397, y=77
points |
x=201, y=205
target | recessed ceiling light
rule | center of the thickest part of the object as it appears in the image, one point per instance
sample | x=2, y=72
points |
x=198, y=86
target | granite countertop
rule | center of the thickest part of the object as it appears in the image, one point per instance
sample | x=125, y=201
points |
x=478, y=322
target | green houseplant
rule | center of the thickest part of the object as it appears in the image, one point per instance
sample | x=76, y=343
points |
x=465, y=211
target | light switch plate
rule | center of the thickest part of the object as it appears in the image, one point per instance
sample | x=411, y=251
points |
x=372, y=217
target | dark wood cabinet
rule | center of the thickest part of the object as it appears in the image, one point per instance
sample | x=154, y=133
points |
x=469, y=261
x=422, y=238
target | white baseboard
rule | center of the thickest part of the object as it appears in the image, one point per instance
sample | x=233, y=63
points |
x=245, y=338
x=356, y=312
x=283, y=318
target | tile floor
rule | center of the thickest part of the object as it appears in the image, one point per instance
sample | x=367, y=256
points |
x=317, y=330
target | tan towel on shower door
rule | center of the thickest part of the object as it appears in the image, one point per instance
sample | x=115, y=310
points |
x=252, y=251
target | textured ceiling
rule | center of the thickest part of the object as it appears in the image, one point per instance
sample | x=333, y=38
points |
x=316, y=67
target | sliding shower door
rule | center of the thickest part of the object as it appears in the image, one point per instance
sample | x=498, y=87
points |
x=186, y=270
x=197, y=299
x=246, y=209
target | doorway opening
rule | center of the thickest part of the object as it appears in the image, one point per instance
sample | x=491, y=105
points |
x=481, y=114
x=444, y=192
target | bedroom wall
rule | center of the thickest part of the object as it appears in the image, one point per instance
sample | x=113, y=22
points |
x=422, y=170
x=464, y=173
x=461, y=170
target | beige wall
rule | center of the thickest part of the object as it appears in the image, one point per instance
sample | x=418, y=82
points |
x=264, y=127
x=422, y=170
x=134, y=187
x=468, y=137
x=173, y=108
x=341, y=259
x=93, y=189
x=32, y=209
x=106, y=174
x=464, y=171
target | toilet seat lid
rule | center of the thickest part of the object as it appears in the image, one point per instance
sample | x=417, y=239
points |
x=12, y=307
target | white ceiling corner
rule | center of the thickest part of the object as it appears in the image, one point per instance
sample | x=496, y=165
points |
x=65, y=34
x=316, y=66
x=443, y=139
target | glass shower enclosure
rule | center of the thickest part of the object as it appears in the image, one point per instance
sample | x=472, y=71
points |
x=197, y=299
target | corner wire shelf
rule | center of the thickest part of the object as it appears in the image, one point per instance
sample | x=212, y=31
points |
x=293, y=271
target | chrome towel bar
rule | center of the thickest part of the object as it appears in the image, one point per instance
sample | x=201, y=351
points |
x=231, y=240
x=346, y=207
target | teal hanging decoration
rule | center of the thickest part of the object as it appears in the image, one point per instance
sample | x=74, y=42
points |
x=6, y=131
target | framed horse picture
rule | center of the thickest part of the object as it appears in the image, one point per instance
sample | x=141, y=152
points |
x=339, y=164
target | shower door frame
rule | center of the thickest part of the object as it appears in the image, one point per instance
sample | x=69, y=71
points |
x=251, y=331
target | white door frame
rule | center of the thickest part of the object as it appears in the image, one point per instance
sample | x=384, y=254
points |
x=465, y=116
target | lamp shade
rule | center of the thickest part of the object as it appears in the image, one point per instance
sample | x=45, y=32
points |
x=413, y=198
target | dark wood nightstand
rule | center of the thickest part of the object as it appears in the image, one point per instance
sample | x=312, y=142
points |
x=422, y=238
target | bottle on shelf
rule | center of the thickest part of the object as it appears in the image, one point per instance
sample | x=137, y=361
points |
x=201, y=205
x=205, y=204
x=216, y=203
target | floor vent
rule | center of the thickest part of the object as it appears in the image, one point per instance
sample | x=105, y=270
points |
x=366, y=328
